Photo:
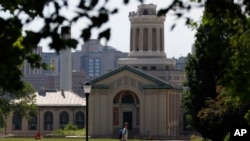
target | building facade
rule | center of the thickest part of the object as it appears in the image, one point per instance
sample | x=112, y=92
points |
x=150, y=105
x=56, y=109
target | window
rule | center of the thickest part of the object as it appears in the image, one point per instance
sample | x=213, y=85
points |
x=48, y=120
x=145, y=12
x=91, y=69
x=97, y=61
x=17, y=121
x=79, y=120
x=97, y=67
x=144, y=67
x=153, y=68
x=128, y=99
x=32, y=123
x=166, y=67
x=64, y=119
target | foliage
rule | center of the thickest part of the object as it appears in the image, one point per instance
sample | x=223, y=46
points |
x=70, y=127
x=227, y=137
x=70, y=130
x=22, y=101
x=213, y=101
x=238, y=70
x=195, y=137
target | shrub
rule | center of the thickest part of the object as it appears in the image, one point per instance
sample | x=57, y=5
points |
x=70, y=127
x=59, y=132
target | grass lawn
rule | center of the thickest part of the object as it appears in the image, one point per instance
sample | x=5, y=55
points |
x=57, y=139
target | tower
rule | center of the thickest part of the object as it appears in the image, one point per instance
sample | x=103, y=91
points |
x=146, y=33
x=147, y=41
x=66, y=62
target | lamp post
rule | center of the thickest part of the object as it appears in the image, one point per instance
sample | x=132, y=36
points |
x=87, y=89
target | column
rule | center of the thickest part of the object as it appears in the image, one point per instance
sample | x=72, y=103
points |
x=169, y=113
x=162, y=39
x=150, y=39
x=158, y=41
x=131, y=39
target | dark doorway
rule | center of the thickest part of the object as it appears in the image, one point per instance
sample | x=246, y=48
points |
x=127, y=117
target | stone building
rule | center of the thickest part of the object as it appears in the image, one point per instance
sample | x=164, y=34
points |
x=150, y=105
x=56, y=109
x=145, y=91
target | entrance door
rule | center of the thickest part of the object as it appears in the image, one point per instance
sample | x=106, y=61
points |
x=127, y=117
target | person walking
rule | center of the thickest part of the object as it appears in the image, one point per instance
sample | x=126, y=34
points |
x=125, y=132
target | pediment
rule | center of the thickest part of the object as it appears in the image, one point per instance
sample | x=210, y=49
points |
x=129, y=76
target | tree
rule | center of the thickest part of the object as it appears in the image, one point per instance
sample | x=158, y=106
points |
x=209, y=68
x=22, y=101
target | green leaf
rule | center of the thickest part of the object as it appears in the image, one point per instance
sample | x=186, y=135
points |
x=114, y=11
x=86, y=34
x=125, y=1
x=105, y=34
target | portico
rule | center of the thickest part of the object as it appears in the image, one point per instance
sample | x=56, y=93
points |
x=148, y=104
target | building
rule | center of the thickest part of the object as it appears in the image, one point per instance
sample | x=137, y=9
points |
x=56, y=109
x=147, y=50
x=145, y=90
x=92, y=61
x=150, y=105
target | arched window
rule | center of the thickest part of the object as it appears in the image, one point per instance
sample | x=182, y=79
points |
x=64, y=119
x=79, y=120
x=17, y=121
x=48, y=120
x=32, y=123
x=128, y=99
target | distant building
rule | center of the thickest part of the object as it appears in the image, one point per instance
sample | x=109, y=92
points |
x=92, y=45
x=94, y=60
x=181, y=63
x=27, y=68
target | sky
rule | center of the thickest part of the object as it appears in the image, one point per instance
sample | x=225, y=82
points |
x=178, y=42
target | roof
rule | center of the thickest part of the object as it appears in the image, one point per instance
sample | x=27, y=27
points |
x=159, y=83
x=59, y=98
